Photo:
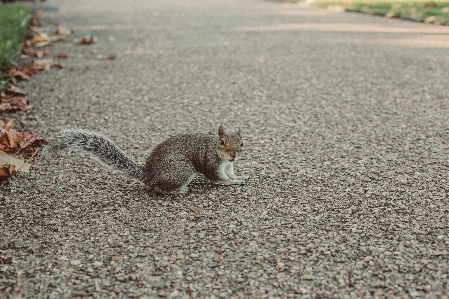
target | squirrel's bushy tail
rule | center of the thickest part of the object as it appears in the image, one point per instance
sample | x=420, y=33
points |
x=102, y=147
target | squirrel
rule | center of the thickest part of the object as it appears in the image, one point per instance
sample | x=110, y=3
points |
x=174, y=163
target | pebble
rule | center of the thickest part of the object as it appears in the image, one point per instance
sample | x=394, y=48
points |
x=75, y=262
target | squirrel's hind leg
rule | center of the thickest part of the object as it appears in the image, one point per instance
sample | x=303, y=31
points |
x=173, y=184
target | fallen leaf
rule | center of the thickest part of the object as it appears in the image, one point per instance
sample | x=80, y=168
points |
x=41, y=39
x=40, y=54
x=86, y=40
x=12, y=141
x=43, y=44
x=62, y=56
x=63, y=31
x=104, y=57
x=21, y=166
x=27, y=141
x=389, y=14
x=40, y=65
x=111, y=38
x=7, y=171
x=13, y=102
x=444, y=9
x=27, y=49
x=15, y=74
x=14, y=89
x=9, y=124
x=45, y=62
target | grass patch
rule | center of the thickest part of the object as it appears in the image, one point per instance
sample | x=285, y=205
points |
x=436, y=11
x=14, y=19
x=431, y=12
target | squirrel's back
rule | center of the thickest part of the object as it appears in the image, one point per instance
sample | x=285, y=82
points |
x=194, y=149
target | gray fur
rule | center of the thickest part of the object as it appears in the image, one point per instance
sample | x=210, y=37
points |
x=174, y=163
x=103, y=148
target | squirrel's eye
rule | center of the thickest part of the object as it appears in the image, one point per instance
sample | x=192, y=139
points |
x=241, y=144
x=222, y=142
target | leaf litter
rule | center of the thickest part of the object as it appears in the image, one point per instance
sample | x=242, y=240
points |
x=14, y=146
x=13, y=99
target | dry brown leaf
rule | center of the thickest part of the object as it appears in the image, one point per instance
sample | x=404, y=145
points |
x=12, y=141
x=42, y=44
x=40, y=65
x=9, y=124
x=86, y=40
x=14, y=89
x=31, y=69
x=40, y=37
x=45, y=62
x=15, y=74
x=7, y=142
x=40, y=54
x=108, y=57
x=27, y=142
x=19, y=164
x=13, y=102
x=62, y=56
x=7, y=171
x=26, y=48
x=63, y=31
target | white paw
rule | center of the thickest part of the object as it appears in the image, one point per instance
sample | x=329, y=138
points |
x=242, y=178
x=227, y=182
x=239, y=181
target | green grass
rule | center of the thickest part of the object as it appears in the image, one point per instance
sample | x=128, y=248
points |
x=417, y=11
x=436, y=11
x=14, y=19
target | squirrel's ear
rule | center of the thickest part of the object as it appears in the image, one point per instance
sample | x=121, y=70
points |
x=221, y=130
x=238, y=131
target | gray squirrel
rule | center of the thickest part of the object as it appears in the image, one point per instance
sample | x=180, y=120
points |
x=174, y=163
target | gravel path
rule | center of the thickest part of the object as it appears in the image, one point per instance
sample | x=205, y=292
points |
x=346, y=125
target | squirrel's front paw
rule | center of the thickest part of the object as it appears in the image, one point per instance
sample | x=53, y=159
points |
x=240, y=179
x=224, y=182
